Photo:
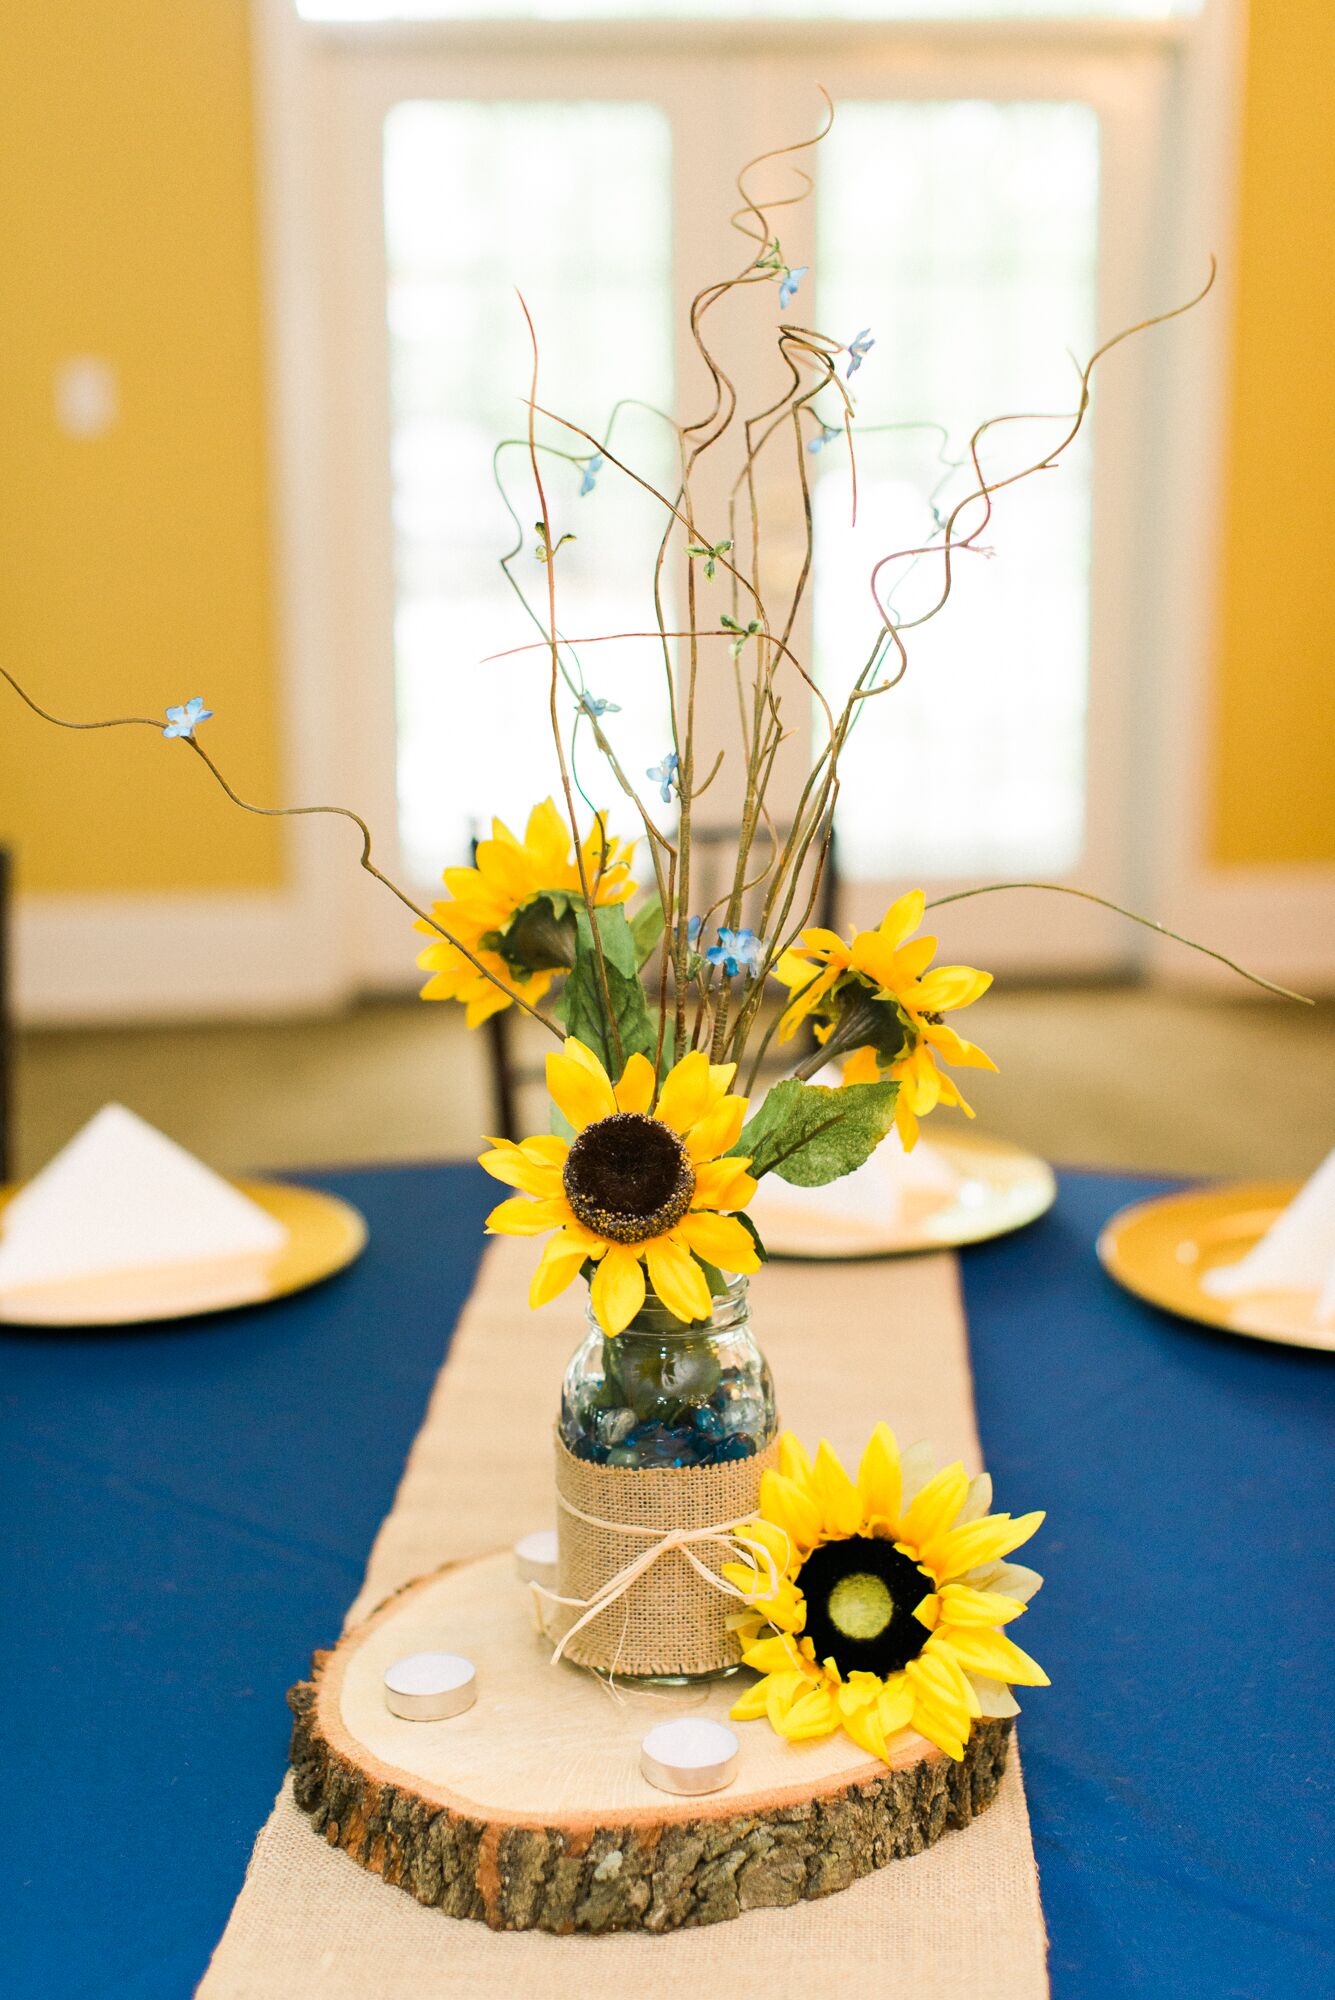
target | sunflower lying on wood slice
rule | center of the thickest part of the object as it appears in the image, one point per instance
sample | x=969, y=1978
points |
x=891, y=1597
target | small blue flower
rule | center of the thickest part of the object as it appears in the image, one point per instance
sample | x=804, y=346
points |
x=181, y=721
x=788, y=285
x=827, y=436
x=595, y=705
x=693, y=932
x=591, y=471
x=736, y=951
x=857, y=350
x=664, y=776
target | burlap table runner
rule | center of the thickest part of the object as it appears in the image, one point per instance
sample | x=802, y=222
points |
x=848, y=1344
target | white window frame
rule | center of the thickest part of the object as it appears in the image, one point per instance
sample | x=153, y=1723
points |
x=1194, y=142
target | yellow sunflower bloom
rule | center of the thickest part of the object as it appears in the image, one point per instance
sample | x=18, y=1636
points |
x=882, y=982
x=641, y=1190
x=893, y=1591
x=489, y=900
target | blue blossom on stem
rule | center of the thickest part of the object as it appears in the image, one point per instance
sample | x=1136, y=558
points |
x=693, y=932
x=788, y=285
x=828, y=434
x=664, y=775
x=736, y=951
x=590, y=476
x=181, y=721
x=857, y=350
x=595, y=705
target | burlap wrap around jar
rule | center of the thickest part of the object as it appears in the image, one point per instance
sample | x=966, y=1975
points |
x=669, y=1620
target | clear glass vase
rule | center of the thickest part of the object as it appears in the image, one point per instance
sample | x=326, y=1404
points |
x=664, y=1394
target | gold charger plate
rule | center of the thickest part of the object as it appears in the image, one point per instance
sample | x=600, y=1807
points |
x=1000, y=1189
x=324, y=1234
x=1161, y=1249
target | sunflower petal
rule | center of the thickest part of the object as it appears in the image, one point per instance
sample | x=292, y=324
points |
x=864, y=1726
x=750, y=1707
x=514, y=1166
x=722, y=1184
x=994, y=1697
x=961, y=1605
x=719, y=1239
x=1008, y=1579
x=617, y=1291
x=839, y=1500
x=879, y=1476
x=678, y=1279
x=979, y=1542
x=635, y=1092
x=688, y=1092
x=993, y=1654
x=902, y=918
x=785, y=1503
x=718, y=1131
x=582, y=1094
x=562, y=1259
x=521, y=1217
x=935, y=1507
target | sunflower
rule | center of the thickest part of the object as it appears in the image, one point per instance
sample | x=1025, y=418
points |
x=878, y=1001
x=639, y=1189
x=512, y=910
x=890, y=1600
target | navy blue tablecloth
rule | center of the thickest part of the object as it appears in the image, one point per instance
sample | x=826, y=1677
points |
x=187, y=1511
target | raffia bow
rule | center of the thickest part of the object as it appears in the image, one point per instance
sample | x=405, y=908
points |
x=723, y=1535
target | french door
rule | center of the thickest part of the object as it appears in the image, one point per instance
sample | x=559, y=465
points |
x=985, y=205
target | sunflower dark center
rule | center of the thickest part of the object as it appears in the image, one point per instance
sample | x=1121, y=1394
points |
x=628, y=1177
x=861, y=1596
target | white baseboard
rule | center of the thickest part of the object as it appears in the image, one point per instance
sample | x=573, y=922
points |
x=146, y=958
x=1278, y=922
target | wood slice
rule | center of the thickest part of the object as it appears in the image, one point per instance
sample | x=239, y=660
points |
x=529, y=1812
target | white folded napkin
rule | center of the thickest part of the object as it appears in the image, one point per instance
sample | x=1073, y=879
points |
x=1296, y=1254
x=123, y=1198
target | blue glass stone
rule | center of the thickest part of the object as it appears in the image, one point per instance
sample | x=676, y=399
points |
x=709, y=1422
x=737, y=1447
x=588, y=1448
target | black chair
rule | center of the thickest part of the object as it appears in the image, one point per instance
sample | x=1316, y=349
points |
x=513, y=1069
x=6, y=1021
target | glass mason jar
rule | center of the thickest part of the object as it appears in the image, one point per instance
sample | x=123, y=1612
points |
x=664, y=1394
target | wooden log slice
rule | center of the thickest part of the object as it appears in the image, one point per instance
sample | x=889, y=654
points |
x=529, y=1811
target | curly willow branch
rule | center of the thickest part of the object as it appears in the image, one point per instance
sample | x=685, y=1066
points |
x=1133, y=916
x=295, y=812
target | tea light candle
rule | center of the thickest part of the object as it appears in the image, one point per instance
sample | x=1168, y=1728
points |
x=690, y=1756
x=428, y=1687
x=535, y=1556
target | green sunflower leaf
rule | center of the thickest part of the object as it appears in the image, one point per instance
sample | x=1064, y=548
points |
x=583, y=1006
x=646, y=927
x=810, y=1135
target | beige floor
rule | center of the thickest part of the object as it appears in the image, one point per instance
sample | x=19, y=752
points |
x=1109, y=1077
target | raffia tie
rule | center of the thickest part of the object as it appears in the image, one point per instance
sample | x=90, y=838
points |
x=724, y=1535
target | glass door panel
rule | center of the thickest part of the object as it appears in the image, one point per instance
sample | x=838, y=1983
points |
x=965, y=234
x=572, y=201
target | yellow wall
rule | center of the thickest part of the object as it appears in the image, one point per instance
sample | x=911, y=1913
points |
x=1275, y=695
x=134, y=569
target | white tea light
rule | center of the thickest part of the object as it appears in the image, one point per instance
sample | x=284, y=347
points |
x=535, y=1556
x=690, y=1756
x=428, y=1687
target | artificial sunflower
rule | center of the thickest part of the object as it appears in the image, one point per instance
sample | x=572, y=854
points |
x=514, y=910
x=877, y=1000
x=891, y=1595
x=639, y=1191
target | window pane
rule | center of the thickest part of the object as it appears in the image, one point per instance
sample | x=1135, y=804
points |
x=965, y=236
x=480, y=198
